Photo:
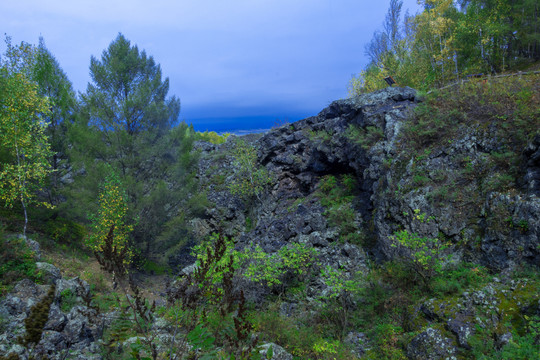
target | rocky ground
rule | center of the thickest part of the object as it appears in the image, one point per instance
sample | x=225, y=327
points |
x=357, y=143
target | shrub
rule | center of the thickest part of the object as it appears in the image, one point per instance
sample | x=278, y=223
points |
x=270, y=269
x=65, y=231
x=67, y=300
x=424, y=253
x=337, y=195
x=212, y=137
x=37, y=318
x=16, y=262
x=250, y=179
x=337, y=301
x=364, y=137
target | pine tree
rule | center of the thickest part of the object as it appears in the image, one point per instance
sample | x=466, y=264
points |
x=54, y=84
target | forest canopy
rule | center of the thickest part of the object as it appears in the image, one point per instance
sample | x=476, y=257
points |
x=449, y=40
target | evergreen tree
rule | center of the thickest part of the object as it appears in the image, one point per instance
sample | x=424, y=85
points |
x=127, y=123
x=54, y=84
x=127, y=91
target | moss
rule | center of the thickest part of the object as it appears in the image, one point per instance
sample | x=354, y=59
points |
x=526, y=295
x=37, y=318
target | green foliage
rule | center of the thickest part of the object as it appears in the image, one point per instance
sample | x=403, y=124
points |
x=128, y=93
x=445, y=42
x=337, y=301
x=120, y=330
x=521, y=346
x=209, y=298
x=68, y=300
x=250, y=179
x=300, y=337
x=17, y=261
x=319, y=136
x=154, y=268
x=126, y=123
x=386, y=343
x=54, y=84
x=269, y=269
x=364, y=137
x=111, y=220
x=456, y=279
x=65, y=231
x=506, y=108
x=217, y=260
x=23, y=127
x=212, y=137
x=201, y=339
x=425, y=254
x=337, y=196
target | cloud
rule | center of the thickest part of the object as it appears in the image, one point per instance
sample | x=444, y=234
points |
x=237, y=54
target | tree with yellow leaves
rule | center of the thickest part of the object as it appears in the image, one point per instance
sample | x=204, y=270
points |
x=110, y=230
x=23, y=141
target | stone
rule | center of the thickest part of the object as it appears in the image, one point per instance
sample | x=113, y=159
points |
x=463, y=330
x=50, y=272
x=75, y=286
x=57, y=319
x=358, y=341
x=431, y=345
x=33, y=245
x=278, y=353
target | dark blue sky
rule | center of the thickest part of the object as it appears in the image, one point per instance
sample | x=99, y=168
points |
x=236, y=59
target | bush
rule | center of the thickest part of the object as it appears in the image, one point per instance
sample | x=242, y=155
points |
x=250, y=179
x=337, y=196
x=67, y=300
x=65, y=231
x=458, y=278
x=17, y=262
x=212, y=137
x=364, y=137
x=424, y=253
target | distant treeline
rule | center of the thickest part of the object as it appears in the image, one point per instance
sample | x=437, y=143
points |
x=448, y=40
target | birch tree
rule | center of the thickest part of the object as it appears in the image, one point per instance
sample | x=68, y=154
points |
x=25, y=146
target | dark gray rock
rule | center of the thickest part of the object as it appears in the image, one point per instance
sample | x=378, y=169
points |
x=50, y=272
x=57, y=319
x=463, y=330
x=532, y=173
x=431, y=345
x=358, y=341
x=447, y=183
x=278, y=353
x=82, y=326
x=33, y=245
x=513, y=230
x=75, y=286
x=75, y=332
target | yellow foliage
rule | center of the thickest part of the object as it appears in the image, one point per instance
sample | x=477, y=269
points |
x=112, y=210
x=22, y=135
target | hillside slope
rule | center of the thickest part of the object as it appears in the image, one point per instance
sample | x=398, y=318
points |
x=391, y=225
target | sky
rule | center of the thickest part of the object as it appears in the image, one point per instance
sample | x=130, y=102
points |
x=234, y=64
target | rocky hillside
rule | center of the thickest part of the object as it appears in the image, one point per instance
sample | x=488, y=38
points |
x=360, y=138
x=400, y=228
x=347, y=181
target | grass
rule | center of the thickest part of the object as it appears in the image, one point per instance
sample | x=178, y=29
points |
x=17, y=261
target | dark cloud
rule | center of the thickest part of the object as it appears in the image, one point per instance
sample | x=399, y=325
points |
x=238, y=58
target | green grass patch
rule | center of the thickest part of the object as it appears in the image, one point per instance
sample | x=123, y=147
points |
x=17, y=262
